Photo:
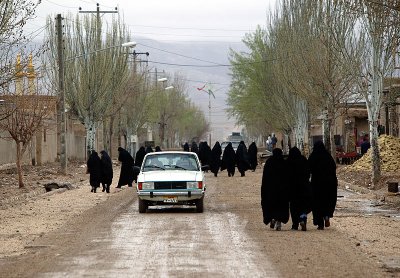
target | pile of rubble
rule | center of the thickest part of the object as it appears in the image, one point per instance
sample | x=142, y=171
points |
x=389, y=149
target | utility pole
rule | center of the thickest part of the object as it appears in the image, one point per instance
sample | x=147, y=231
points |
x=61, y=121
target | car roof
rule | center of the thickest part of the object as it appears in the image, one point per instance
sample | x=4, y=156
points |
x=170, y=152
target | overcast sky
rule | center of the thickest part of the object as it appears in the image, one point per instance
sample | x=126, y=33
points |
x=180, y=21
x=185, y=20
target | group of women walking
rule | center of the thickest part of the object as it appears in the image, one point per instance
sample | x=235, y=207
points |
x=243, y=159
x=101, y=171
x=287, y=188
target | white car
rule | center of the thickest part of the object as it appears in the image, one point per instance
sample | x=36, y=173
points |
x=171, y=178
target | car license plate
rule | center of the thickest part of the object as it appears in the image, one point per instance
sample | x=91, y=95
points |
x=170, y=199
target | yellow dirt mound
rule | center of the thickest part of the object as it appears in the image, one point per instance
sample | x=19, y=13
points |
x=389, y=150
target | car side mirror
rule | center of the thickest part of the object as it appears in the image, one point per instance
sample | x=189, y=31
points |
x=205, y=167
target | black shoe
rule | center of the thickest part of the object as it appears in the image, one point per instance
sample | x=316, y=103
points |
x=320, y=227
x=272, y=224
x=104, y=189
x=295, y=227
x=108, y=189
x=94, y=190
x=91, y=190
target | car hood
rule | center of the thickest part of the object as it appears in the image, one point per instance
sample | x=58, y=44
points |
x=175, y=175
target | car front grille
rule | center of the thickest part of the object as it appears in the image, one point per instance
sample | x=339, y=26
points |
x=170, y=185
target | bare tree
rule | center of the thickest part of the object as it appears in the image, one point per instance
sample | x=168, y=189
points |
x=379, y=38
x=27, y=112
x=96, y=69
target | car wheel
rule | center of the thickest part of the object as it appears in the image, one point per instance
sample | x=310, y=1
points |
x=200, y=205
x=142, y=206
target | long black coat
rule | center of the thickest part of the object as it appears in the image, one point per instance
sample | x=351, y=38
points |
x=228, y=159
x=252, y=153
x=186, y=147
x=194, y=148
x=106, y=168
x=94, y=169
x=204, y=153
x=274, y=189
x=323, y=183
x=241, y=156
x=298, y=174
x=127, y=161
x=215, y=162
x=140, y=156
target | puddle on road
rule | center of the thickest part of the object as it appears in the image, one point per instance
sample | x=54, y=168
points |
x=364, y=207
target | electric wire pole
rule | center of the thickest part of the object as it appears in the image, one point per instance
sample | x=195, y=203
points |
x=61, y=120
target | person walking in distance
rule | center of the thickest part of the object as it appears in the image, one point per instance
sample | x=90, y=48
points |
x=274, y=191
x=253, y=156
x=94, y=170
x=106, y=171
x=242, y=161
x=324, y=185
x=299, y=188
x=215, y=162
x=127, y=162
x=186, y=147
x=228, y=160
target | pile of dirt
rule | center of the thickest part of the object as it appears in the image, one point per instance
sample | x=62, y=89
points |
x=389, y=148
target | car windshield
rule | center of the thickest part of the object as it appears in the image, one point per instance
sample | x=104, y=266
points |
x=170, y=161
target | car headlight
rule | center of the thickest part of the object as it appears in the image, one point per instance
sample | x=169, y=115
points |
x=147, y=185
x=191, y=184
x=194, y=185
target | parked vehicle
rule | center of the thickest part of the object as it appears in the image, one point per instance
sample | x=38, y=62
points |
x=171, y=178
x=235, y=145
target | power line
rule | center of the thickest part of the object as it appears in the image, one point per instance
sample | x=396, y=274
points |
x=177, y=54
x=186, y=35
x=63, y=6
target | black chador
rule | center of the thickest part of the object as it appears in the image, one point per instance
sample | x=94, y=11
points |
x=194, y=148
x=186, y=147
x=274, y=191
x=324, y=185
x=242, y=160
x=215, y=162
x=127, y=162
x=94, y=169
x=106, y=171
x=228, y=160
x=300, y=188
x=253, y=156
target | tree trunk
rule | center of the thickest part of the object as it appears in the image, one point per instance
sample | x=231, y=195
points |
x=376, y=163
x=111, y=135
x=19, y=168
x=332, y=138
x=39, y=146
x=90, y=135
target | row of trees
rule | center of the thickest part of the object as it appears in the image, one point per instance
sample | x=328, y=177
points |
x=103, y=87
x=311, y=59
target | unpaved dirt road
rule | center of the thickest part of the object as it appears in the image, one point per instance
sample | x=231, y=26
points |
x=227, y=240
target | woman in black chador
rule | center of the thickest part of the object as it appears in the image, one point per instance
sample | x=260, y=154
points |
x=158, y=149
x=127, y=162
x=215, y=162
x=204, y=153
x=324, y=185
x=242, y=160
x=228, y=160
x=149, y=149
x=274, y=191
x=299, y=188
x=94, y=169
x=106, y=171
x=140, y=156
x=253, y=156
x=194, y=148
x=186, y=147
